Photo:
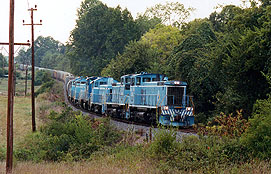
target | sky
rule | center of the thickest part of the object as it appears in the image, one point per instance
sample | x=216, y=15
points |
x=59, y=16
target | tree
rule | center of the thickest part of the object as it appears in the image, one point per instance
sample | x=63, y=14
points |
x=221, y=21
x=191, y=62
x=163, y=39
x=137, y=57
x=24, y=57
x=46, y=51
x=257, y=139
x=100, y=34
x=247, y=57
x=171, y=13
x=44, y=45
x=145, y=23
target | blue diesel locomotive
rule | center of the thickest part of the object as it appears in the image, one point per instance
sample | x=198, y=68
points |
x=141, y=97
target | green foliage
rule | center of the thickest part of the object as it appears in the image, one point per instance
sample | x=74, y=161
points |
x=221, y=58
x=46, y=87
x=207, y=153
x=48, y=53
x=171, y=13
x=257, y=139
x=162, y=39
x=145, y=23
x=67, y=137
x=164, y=145
x=137, y=57
x=150, y=54
x=100, y=34
x=191, y=62
x=42, y=77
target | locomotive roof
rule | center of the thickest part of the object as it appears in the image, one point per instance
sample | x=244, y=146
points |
x=142, y=74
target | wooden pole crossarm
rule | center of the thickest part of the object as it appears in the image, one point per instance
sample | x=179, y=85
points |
x=24, y=44
x=31, y=24
x=32, y=9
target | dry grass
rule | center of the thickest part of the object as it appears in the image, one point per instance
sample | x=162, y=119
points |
x=94, y=167
x=112, y=166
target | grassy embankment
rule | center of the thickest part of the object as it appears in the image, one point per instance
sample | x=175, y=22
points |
x=78, y=144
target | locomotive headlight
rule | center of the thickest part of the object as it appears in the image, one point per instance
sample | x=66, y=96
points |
x=177, y=83
x=165, y=107
x=188, y=108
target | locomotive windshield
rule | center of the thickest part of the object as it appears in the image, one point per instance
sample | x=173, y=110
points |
x=175, y=95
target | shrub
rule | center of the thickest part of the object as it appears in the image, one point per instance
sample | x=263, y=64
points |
x=67, y=136
x=42, y=77
x=195, y=152
x=257, y=139
x=164, y=146
x=44, y=88
x=226, y=125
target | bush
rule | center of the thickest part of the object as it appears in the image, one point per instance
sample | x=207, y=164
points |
x=42, y=77
x=225, y=125
x=68, y=136
x=46, y=87
x=164, y=146
x=195, y=152
x=257, y=139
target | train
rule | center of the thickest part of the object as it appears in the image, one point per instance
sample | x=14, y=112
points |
x=142, y=97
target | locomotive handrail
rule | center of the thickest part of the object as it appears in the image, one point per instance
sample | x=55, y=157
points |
x=162, y=100
x=125, y=98
x=158, y=101
x=190, y=98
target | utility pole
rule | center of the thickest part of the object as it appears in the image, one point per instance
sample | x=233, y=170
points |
x=10, y=91
x=33, y=67
x=9, y=159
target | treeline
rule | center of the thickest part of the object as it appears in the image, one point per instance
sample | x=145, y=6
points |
x=49, y=53
x=225, y=58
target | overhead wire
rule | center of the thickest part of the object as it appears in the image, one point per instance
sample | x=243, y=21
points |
x=18, y=49
x=3, y=48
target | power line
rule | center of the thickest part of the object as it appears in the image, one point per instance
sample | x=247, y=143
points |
x=28, y=7
x=3, y=48
x=28, y=4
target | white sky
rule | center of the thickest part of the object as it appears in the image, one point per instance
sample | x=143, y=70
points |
x=59, y=16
